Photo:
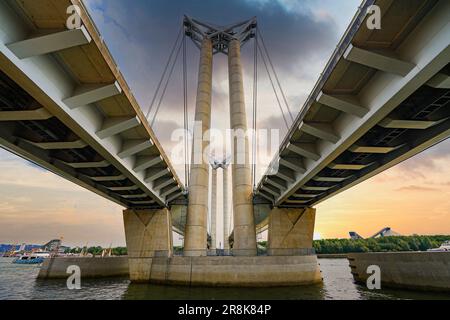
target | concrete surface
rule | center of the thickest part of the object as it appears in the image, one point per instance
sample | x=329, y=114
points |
x=195, y=238
x=244, y=224
x=290, y=230
x=410, y=270
x=56, y=268
x=230, y=271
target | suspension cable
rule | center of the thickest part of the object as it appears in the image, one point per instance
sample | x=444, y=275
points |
x=166, y=84
x=186, y=115
x=276, y=75
x=255, y=110
x=164, y=74
x=273, y=87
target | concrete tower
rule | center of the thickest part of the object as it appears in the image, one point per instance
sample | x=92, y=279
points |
x=226, y=40
x=195, y=243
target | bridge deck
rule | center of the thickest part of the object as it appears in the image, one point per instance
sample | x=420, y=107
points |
x=383, y=97
x=66, y=106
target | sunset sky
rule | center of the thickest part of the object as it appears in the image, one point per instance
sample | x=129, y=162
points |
x=412, y=198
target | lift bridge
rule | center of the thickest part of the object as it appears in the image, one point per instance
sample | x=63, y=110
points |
x=382, y=98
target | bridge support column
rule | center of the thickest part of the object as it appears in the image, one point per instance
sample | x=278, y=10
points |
x=148, y=235
x=213, y=246
x=226, y=211
x=291, y=231
x=195, y=237
x=244, y=225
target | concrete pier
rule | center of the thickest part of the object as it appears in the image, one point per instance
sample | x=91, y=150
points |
x=195, y=238
x=234, y=271
x=148, y=235
x=291, y=231
x=244, y=225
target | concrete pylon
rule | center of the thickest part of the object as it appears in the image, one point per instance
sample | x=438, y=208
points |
x=213, y=207
x=244, y=225
x=195, y=243
x=226, y=210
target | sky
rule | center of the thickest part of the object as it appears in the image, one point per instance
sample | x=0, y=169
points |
x=412, y=198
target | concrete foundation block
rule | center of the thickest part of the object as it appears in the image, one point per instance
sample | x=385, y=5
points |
x=291, y=231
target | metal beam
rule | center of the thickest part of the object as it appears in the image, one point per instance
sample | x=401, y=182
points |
x=131, y=147
x=90, y=94
x=371, y=149
x=142, y=203
x=322, y=131
x=134, y=196
x=343, y=166
x=330, y=179
x=88, y=165
x=120, y=177
x=63, y=145
x=50, y=43
x=263, y=194
x=115, y=125
x=386, y=62
x=286, y=174
x=169, y=190
x=125, y=188
x=406, y=124
x=294, y=164
x=307, y=150
x=154, y=174
x=144, y=162
x=276, y=182
x=440, y=81
x=25, y=115
x=297, y=201
x=270, y=190
x=309, y=188
x=344, y=103
x=163, y=182
x=174, y=196
x=306, y=195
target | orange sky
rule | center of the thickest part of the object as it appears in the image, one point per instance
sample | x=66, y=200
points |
x=412, y=198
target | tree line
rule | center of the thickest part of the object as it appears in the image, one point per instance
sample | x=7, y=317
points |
x=330, y=246
x=382, y=244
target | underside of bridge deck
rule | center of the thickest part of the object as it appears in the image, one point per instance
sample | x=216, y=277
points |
x=66, y=107
x=383, y=97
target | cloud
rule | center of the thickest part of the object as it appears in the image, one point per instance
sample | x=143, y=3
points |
x=414, y=188
x=298, y=38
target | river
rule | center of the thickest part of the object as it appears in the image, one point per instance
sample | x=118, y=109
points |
x=19, y=282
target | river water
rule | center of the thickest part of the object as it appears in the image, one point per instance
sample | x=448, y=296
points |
x=19, y=283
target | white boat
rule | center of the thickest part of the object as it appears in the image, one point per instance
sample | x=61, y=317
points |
x=445, y=247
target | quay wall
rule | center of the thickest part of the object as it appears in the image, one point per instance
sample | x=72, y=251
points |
x=56, y=268
x=408, y=270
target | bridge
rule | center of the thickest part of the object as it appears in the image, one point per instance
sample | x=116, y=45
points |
x=382, y=98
